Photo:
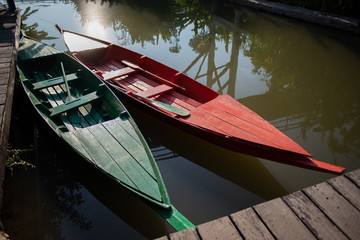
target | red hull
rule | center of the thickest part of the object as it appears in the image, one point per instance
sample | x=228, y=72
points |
x=217, y=118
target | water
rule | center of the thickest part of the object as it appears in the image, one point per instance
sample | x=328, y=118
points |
x=302, y=78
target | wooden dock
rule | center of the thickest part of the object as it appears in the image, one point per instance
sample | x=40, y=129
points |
x=9, y=41
x=329, y=210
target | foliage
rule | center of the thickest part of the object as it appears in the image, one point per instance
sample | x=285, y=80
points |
x=15, y=158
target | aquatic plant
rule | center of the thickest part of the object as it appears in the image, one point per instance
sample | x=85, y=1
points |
x=15, y=157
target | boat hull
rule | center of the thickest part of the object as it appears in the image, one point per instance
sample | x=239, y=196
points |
x=88, y=116
x=217, y=118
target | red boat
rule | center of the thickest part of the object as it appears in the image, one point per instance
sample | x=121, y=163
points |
x=187, y=104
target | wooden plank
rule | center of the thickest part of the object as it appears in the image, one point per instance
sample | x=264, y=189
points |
x=188, y=234
x=312, y=217
x=4, y=78
x=161, y=89
x=250, y=225
x=117, y=73
x=127, y=156
x=80, y=101
x=337, y=208
x=162, y=238
x=221, y=228
x=100, y=157
x=354, y=176
x=54, y=81
x=347, y=189
x=282, y=221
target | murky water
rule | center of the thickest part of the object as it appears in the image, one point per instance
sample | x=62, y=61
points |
x=303, y=79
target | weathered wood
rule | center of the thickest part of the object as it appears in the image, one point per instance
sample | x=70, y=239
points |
x=188, y=234
x=282, y=221
x=250, y=225
x=354, y=176
x=347, y=189
x=161, y=89
x=221, y=228
x=337, y=208
x=162, y=238
x=312, y=217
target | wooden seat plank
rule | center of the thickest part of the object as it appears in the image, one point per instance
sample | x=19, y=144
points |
x=80, y=101
x=117, y=73
x=250, y=225
x=88, y=111
x=312, y=217
x=336, y=207
x=161, y=89
x=282, y=221
x=54, y=81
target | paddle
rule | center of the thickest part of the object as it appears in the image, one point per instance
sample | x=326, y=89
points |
x=158, y=104
x=136, y=67
x=73, y=115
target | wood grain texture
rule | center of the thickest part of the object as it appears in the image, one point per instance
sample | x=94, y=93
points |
x=250, y=225
x=337, y=208
x=354, y=176
x=312, y=217
x=347, y=189
x=221, y=228
x=188, y=234
x=282, y=221
x=162, y=238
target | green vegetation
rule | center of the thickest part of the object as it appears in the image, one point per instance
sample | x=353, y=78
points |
x=15, y=158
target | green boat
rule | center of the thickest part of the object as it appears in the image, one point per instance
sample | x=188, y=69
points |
x=85, y=113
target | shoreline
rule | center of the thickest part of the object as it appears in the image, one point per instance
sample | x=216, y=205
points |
x=322, y=18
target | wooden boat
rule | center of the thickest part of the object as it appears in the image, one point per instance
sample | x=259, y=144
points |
x=187, y=104
x=87, y=115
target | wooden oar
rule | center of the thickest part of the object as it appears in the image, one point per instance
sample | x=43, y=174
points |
x=73, y=115
x=158, y=104
x=163, y=80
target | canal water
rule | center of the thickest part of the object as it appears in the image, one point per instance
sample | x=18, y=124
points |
x=302, y=78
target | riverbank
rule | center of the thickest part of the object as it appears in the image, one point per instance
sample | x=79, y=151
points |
x=322, y=18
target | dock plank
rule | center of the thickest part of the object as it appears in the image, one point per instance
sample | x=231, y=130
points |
x=221, y=228
x=250, y=225
x=336, y=207
x=312, y=217
x=354, y=176
x=347, y=189
x=188, y=234
x=282, y=221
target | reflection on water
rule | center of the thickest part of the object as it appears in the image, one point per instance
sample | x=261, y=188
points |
x=301, y=78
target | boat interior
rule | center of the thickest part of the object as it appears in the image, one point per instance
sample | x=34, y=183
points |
x=146, y=77
x=83, y=103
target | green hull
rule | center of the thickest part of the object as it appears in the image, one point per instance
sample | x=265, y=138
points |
x=89, y=117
